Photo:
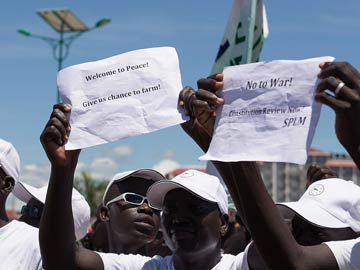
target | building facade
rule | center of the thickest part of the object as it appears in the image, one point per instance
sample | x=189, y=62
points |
x=287, y=182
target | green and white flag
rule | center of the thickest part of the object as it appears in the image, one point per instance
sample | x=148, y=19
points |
x=242, y=42
x=244, y=36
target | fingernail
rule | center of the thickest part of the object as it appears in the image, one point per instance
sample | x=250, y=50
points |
x=219, y=84
x=220, y=101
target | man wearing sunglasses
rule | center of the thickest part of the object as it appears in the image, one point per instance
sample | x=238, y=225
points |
x=194, y=215
x=194, y=219
x=131, y=222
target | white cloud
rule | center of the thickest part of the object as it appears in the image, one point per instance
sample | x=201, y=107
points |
x=122, y=151
x=81, y=166
x=31, y=167
x=36, y=175
x=102, y=162
x=166, y=165
x=119, y=153
x=100, y=168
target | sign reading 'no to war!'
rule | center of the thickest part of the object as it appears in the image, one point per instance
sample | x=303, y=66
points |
x=269, y=112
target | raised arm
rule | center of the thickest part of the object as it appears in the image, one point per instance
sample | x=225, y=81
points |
x=269, y=231
x=57, y=236
x=271, y=235
x=201, y=106
x=343, y=80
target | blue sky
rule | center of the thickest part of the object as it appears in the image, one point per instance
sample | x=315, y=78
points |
x=298, y=30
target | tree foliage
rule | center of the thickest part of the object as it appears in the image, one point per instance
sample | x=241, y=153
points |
x=92, y=189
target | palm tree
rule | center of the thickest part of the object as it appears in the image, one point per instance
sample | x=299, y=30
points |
x=92, y=189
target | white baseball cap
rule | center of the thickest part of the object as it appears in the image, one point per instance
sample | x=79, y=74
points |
x=148, y=174
x=9, y=159
x=80, y=208
x=202, y=185
x=331, y=203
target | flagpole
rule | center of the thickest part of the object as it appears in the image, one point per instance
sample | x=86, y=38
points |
x=251, y=31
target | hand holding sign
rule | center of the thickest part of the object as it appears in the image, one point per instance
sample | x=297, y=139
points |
x=269, y=113
x=55, y=135
x=346, y=103
x=201, y=106
x=121, y=96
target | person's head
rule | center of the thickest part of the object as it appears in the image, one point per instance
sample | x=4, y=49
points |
x=329, y=210
x=35, y=200
x=195, y=208
x=9, y=170
x=131, y=221
x=237, y=236
x=318, y=172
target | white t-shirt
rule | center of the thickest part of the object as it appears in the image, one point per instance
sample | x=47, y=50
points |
x=19, y=247
x=113, y=261
x=347, y=253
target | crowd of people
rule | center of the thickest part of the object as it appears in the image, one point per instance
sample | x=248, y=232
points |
x=148, y=222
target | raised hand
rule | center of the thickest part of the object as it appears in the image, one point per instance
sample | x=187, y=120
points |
x=318, y=172
x=201, y=106
x=55, y=135
x=343, y=80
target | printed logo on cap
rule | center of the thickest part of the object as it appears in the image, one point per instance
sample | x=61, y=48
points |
x=316, y=190
x=187, y=174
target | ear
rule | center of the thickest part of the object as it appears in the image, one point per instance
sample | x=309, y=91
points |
x=167, y=238
x=224, y=224
x=8, y=185
x=104, y=213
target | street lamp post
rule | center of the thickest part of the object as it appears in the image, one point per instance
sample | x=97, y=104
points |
x=63, y=21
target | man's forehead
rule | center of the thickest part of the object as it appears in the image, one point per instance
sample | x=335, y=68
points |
x=177, y=192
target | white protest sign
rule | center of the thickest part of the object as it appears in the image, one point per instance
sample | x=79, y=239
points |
x=121, y=96
x=269, y=112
